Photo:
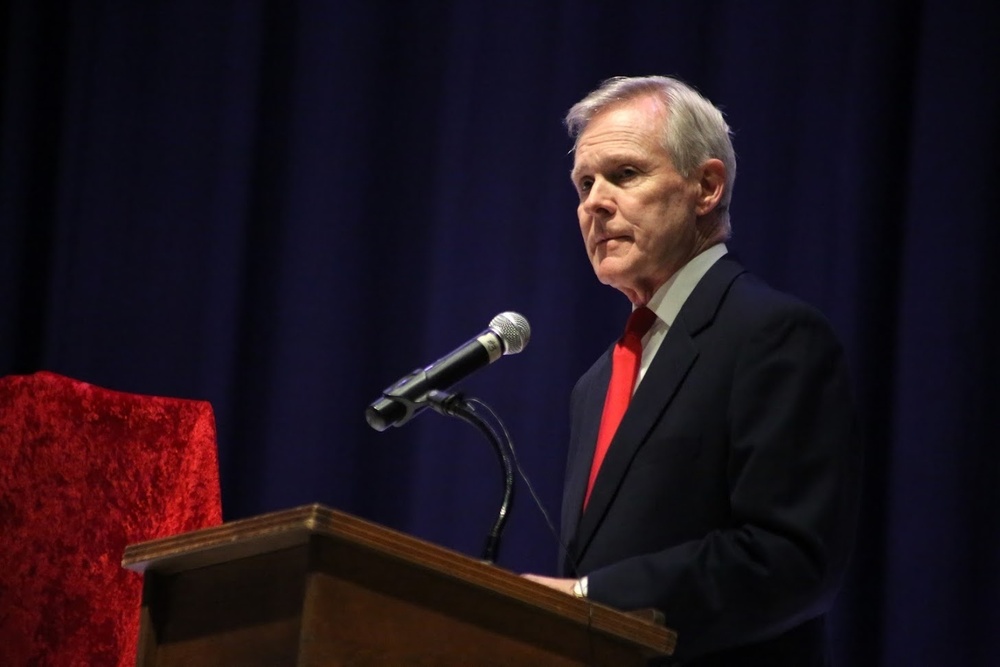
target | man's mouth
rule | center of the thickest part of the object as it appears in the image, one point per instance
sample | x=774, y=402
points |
x=604, y=240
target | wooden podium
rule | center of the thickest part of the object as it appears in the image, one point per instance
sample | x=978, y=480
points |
x=314, y=587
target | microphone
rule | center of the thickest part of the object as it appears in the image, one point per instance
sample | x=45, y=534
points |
x=507, y=333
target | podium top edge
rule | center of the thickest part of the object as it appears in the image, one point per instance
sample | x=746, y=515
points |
x=267, y=532
x=301, y=525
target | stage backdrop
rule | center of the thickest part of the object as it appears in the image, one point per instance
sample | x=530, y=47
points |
x=281, y=207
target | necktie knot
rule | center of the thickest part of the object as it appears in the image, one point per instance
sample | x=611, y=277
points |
x=639, y=322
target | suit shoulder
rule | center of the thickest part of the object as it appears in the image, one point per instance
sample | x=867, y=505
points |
x=753, y=299
x=753, y=310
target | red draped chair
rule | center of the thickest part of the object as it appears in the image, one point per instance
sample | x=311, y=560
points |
x=84, y=471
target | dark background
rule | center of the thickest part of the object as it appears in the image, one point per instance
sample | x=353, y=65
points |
x=281, y=207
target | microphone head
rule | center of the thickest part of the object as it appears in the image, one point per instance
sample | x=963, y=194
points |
x=513, y=330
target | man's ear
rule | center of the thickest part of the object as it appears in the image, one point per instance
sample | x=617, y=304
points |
x=711, y=183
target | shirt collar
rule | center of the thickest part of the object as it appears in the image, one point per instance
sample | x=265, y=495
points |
x=671, y=295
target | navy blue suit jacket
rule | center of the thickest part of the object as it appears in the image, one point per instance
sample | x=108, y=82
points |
x=729, y=495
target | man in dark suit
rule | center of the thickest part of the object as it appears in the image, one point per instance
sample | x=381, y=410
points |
x=726, y=495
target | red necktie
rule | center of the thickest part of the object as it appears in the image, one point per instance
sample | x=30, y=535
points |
x=624, y=371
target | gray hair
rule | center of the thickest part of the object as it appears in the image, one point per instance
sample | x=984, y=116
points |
x=695, y=129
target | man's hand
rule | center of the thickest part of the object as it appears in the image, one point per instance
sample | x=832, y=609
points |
x=564, y=585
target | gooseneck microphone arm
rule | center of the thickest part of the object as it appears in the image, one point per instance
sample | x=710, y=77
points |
x=455, y=406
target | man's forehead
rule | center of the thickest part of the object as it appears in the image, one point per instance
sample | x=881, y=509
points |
x=614, y=137
x=595, y=156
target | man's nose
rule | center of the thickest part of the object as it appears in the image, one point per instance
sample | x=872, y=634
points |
x=600, y=202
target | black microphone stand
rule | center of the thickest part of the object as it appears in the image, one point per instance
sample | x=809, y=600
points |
x=455, y=405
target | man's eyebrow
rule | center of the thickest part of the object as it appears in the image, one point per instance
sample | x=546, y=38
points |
x=603, y=162
x=577, y=168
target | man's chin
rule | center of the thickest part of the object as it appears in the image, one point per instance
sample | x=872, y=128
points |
x=610, y=271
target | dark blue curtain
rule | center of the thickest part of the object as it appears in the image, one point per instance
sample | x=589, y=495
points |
x=282, y=207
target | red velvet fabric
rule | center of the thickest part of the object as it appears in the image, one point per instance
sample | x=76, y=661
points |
x=86, y=471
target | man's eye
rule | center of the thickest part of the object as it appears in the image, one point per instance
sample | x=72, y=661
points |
x=586, y=184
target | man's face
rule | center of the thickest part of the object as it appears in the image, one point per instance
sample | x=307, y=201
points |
x=637, y=213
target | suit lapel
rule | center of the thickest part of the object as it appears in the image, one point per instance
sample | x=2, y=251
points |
x=666, y=374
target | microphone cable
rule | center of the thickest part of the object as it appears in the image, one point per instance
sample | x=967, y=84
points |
x=472, y=402
x=524, y=477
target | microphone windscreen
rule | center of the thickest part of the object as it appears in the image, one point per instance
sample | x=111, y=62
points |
x=513, y=329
